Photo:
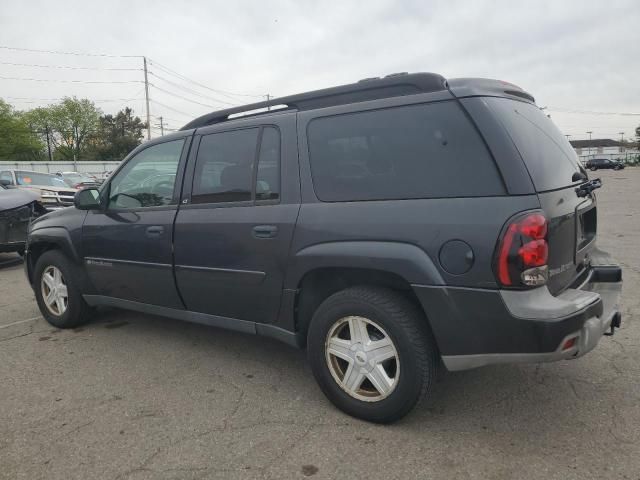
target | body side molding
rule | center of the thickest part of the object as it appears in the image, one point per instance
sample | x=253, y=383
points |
x=243, y=326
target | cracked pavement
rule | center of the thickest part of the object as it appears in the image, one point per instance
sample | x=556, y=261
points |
x=133, y=396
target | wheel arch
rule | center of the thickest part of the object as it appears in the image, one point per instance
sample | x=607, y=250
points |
x=46, y=239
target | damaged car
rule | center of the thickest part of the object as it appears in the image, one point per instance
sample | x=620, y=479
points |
x=17, y=208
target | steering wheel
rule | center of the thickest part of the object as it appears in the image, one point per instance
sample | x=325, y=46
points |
x=164, y=189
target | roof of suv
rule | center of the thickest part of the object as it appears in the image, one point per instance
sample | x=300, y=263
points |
x=394, y=85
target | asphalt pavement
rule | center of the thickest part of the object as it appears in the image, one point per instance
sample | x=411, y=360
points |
x=132, y=396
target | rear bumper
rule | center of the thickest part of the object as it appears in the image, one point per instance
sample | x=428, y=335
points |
x=475, y=327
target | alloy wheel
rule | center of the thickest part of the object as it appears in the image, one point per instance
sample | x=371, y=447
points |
x=362, y=358
x=54, y=291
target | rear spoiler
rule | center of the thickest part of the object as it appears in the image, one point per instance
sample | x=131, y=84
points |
x=474, y=87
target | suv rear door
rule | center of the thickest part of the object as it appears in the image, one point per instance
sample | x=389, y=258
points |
x=552, y=164
x=236, y=220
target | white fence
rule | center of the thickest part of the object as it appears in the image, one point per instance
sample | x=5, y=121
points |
x=54, y=167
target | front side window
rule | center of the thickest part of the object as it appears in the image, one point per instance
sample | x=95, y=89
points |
x=224, y=167
x=148, y=179
x=416, y=151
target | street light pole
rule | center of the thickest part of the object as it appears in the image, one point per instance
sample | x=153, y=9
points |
x=590, y=132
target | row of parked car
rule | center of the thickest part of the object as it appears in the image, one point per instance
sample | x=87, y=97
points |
x=26, y=194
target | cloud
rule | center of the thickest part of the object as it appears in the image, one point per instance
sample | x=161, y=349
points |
x=569, y=55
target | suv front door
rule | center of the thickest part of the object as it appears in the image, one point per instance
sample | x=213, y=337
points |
x=127, y=247
x=233, y=231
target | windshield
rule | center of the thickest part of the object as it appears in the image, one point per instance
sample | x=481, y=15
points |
x=39, y=179
x=547, y=153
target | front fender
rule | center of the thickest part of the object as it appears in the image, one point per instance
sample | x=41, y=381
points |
x=403, y=259
x=43, y=239
x=57, y=236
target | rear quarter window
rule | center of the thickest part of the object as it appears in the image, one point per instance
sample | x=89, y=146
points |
x=417, y=151
x=548, y=155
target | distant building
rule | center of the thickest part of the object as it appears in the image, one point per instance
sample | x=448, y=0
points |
x=604, y=148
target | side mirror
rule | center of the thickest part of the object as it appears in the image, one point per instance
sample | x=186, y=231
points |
x=87, y=199
x=5, y=182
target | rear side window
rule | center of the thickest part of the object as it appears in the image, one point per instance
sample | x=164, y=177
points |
x=549, y=157
x=417, y=151
x=224, y=167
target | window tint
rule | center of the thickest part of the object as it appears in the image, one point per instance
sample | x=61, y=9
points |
x=418, y=151
x=224, y=167
x=547, y=153
x=148, y=179
x=268, y=176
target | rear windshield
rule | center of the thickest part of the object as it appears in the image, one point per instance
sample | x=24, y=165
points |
x=545, y=150
x=417, y=151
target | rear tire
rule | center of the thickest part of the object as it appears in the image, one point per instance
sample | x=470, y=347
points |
x=382, y=372
x=57, y=291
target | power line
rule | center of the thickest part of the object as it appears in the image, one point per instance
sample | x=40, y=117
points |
x=68, y=67
x=190, y=115
x=55, y=52
x=68, y=81
x=98, y=100
x=222, y=92
x=589, y=112
x=181, y=97
x=190, y=90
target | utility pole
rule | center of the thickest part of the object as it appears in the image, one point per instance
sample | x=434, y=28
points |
x=268, y=98
x=589, y=132
x=74, y=146
x=46, y=127
x=161, y=127
x=146, y=97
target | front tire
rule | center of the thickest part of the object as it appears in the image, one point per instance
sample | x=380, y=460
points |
x=57, y=291
x=372, y=353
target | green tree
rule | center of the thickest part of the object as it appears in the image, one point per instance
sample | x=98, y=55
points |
x=72, y=125
x=17, y=140
x=118, y=135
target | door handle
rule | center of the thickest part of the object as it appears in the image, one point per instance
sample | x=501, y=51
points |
x=154, y=231
x=265, y=231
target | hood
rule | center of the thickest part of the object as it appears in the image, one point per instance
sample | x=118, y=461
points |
x=17, y=197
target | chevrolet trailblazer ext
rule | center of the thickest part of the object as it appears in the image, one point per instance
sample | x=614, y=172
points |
x=386, y=226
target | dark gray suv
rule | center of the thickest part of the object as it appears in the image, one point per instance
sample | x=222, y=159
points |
x=388, y=227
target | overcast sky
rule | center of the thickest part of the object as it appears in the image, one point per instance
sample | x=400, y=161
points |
x=571, y=55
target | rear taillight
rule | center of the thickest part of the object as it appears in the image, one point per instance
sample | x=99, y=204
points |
x=523, y=251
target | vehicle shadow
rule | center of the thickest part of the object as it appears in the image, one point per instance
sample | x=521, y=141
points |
x=9, y=260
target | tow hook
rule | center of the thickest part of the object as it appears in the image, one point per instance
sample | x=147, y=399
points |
x=616, y=321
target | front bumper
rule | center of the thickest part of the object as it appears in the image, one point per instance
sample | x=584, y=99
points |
x=475, y=327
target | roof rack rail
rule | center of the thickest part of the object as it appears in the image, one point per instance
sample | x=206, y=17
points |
x=393, y=85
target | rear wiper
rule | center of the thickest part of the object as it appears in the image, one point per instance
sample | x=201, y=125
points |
x=588, y=187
